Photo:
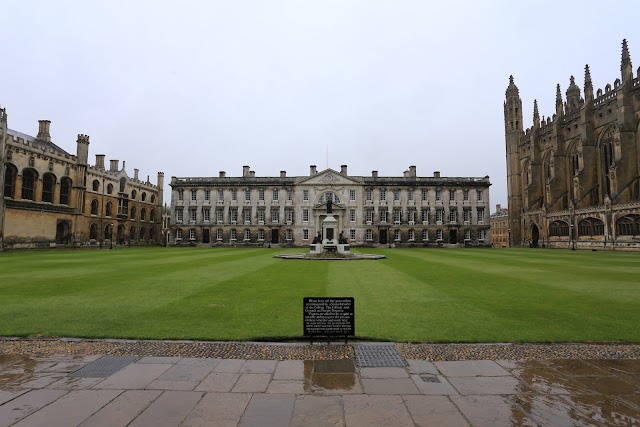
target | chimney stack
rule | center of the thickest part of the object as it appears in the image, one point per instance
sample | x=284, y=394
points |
x=412, y=171
x=43, y=130
x=222, y=174
x=100, y=161
x=245, y=171
x=113, y=165
x=135, y=174
x=283, y=174
x=374, y=174
x=436, y=174
x=343, y=170
x=498, y=208
x=252, y=174
x=313, y=170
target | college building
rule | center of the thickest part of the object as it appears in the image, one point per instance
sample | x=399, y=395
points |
x=52, y=198
x=574, y=177
x=373, y=210
x=500, y=227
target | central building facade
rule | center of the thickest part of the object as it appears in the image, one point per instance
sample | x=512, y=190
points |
x=403, y=211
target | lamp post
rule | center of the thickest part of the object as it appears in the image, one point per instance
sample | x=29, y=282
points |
x=573, y=238
x=111, y=236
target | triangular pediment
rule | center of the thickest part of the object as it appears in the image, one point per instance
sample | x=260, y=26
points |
x=328, y=177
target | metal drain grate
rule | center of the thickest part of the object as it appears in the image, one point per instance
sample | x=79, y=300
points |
x=103, y=367
x=378, y=356
x=429, y=378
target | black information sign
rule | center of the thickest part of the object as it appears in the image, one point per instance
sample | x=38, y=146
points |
x=329, y=316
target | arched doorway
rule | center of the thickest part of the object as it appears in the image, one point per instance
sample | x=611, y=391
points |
x=120, y=238
x=453, y=237
x=535, y=235
x=62, y=232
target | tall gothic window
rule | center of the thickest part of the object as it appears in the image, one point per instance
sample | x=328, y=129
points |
x=10, y=174
x=29, y=177
x=65, y=190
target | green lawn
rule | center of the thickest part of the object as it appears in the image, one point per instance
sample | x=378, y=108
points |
x=436, y=295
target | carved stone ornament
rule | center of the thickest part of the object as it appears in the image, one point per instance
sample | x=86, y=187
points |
x=50, y=165
x=66, y=171
x=328, y=178
x=32, y=161
x=9, y=154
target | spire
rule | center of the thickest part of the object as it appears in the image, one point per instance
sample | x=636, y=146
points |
x=536, y=115
x=625, y=64
x=559, y=94
x=588, y=85
x=626, y=58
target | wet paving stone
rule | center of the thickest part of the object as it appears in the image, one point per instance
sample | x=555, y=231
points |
x=492, y=411
x=123, y=409
x=548, y=381
x=606, y=385
x=168, y=410
x=318, y=411
x=268, y=410
x=471, y=368
x=434, y=411
x=607, y=410
x=26, y=404
x=548, y=410
x=369, y=411
x=218, y=409
x=488, y=385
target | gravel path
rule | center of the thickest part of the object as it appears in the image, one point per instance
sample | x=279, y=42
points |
x=319, y=351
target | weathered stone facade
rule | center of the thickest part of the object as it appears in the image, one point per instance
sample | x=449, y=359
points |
x=500, y=227
x=574, y=178
x=52, y=198
x=371, y=211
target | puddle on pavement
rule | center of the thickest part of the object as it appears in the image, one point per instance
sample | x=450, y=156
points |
x=31, y=372
x=329, y=376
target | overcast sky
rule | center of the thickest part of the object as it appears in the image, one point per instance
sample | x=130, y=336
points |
x=191, y=88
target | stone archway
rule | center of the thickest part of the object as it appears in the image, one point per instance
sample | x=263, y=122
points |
x=63, y=232
x=535, y=236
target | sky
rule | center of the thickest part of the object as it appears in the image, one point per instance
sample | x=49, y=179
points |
x=191, y=88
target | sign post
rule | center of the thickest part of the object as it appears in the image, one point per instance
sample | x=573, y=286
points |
x=329, y=316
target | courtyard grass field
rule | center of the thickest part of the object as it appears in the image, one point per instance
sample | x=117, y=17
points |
x=417, y=295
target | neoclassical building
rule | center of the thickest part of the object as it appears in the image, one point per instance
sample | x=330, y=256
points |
x=52, y=198
x=574, y=177
x=371, y=210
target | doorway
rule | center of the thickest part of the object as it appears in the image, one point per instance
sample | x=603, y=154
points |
x=453, y=237
x=62, y=232
x=205, y=235
x=535, y=236
x=383, y=236
x=275, y=236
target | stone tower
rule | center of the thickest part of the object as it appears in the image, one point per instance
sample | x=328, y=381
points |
x=82, y=155
x=513, y=131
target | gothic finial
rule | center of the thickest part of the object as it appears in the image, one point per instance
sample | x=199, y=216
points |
x=587, y=77
x=626, y=58
x=536, y=115
x=572, y=81
x=559, y=94
x=512, y=90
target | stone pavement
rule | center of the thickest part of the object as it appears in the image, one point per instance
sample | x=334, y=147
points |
x=77, y=390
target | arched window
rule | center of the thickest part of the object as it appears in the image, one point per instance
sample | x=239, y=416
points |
x=549, y=167
x=591, y=227
x=123, y=183
x=132, y=233
x=93, y=232
x=48, y=184
x=628, y=225
x=606, y=147
x=109, y=188
x=152, y=215
x=142, y=233
x=144, y=196
x=107, y=211
x=143, y=214
x=94, y=207
x=133, y=212
x=29, y=178
x=65, y=190
x=152, y=234
x=558, y=229
x=96, y=185
x=134, y=193
x=10, y=174
x=153, y=198
x=329, y=195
